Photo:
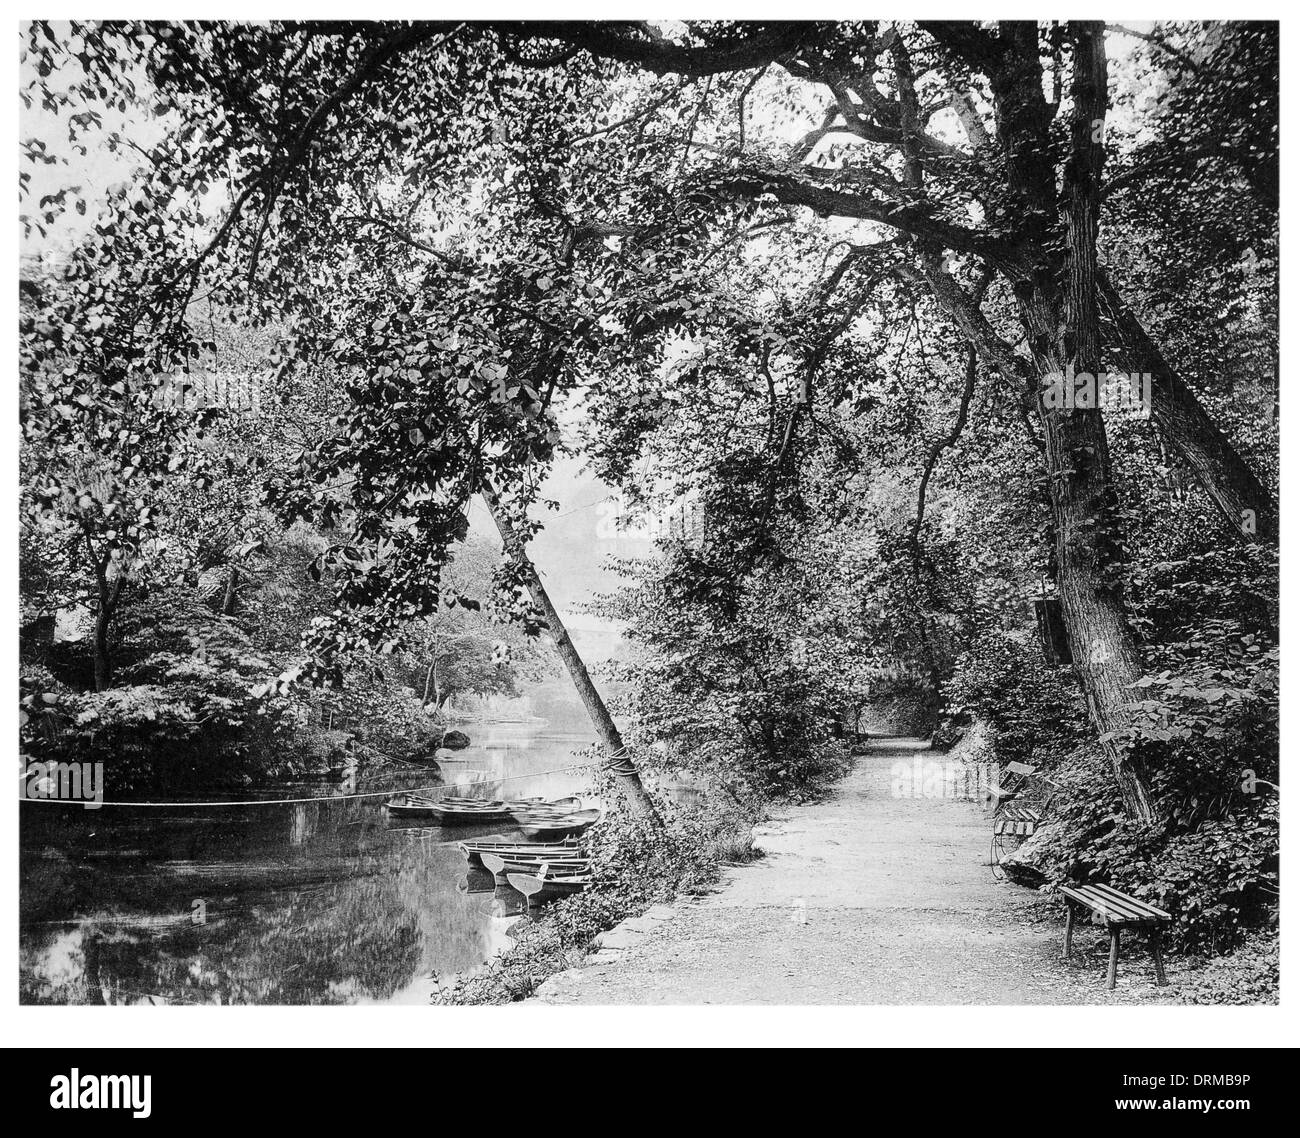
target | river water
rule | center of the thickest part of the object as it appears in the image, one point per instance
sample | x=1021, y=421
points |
x=322, y=902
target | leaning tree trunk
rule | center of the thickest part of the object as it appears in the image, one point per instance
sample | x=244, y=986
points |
x=1105, y=653
x=1234, y=488
x=617, y=761
x=1089, y=547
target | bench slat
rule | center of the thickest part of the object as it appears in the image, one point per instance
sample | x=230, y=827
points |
x=1117, y=902
x=1021, y=827
x=1093, y=897
x=1146, y=906
x=1116, y=907
x=1126, y=904
x=1103, y=907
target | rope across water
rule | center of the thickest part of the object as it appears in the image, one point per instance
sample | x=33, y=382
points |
x=316, y=798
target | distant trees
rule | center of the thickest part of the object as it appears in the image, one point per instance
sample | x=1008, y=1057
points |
x=463, y=651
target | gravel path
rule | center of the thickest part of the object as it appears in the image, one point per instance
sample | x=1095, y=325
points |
x=866, y=898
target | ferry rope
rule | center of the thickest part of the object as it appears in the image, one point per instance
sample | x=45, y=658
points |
x=446, y=789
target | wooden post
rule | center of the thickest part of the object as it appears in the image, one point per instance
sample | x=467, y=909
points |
x=1114, y=956
x=1154, y=934
x=1069, y=928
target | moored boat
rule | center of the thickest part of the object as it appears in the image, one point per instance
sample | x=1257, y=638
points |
x=474, y=850
x=547, y=823
x=452, y=810
x=502, y=867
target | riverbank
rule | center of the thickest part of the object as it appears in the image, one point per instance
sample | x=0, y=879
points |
x=867, y=897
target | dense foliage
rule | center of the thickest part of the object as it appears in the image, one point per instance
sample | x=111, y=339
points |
x=816, y=279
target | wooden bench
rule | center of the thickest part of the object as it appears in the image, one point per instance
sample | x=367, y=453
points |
x=1016, y=821
x=1014, y=780
x=1011, y=821
x=1118, y=911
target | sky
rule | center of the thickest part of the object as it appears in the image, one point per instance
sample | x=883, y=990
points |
x=578, y=539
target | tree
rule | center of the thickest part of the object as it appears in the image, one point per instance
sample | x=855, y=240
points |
x=473, y=276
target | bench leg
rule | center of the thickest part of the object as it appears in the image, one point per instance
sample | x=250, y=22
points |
x=1114, y=958
x=1069, y=928
x=1154, y=935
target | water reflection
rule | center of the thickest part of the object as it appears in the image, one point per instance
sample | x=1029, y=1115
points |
x=322, y=902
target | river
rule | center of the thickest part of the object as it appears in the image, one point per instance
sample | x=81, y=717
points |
x=321, y=902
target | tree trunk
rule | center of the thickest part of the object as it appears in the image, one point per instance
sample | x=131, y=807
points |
x=1105, y=653
x=103, y=664
x=232, y=585
x=110, y=593
x=1234, y=488
x=428, y=679
x=1081, y=498
x=616, y=760
x=1088, y=542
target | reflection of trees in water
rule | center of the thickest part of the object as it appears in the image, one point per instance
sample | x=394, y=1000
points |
x=324, y=906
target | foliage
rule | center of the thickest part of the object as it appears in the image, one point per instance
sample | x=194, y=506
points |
x=1215, y=872
x=1036, y=709
x=1250, y=974
x=184, y=711
x=470, y=650
x=726, y=680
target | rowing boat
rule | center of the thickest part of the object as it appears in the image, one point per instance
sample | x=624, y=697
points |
x=539, y=890
x=452, y=811
x=502, y=867
x=546, y=823
x=474, y=850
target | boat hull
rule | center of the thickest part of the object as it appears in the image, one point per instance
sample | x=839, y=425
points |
x=450, y=811
x=544, y=827
x=503, y=866
x=474, y=851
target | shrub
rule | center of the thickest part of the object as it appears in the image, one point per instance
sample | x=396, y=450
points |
x=1216, y=876
x=181, y=716
x=1036, y=709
